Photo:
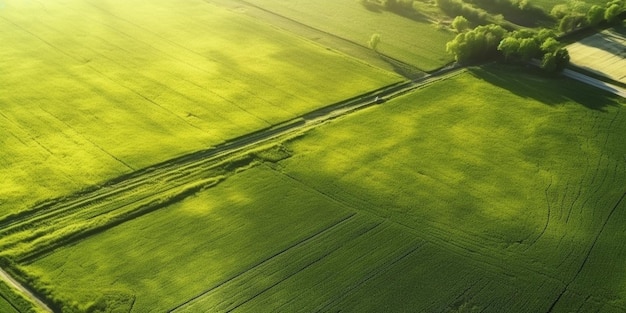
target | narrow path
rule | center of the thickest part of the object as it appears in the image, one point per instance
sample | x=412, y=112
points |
x=616, y=90
x=15, y=284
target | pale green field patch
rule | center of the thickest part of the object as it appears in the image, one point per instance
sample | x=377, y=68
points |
x=94, y=89
x=603, y=53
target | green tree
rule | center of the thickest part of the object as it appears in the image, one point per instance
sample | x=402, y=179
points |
x=595, y=15
x=550, y=45
x=612, y=12
x=528, y=48
x=374, y=41
x=509, y=47
x=554, y=62
x=460, y=24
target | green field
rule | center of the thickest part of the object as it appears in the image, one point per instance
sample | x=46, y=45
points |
x=547, y=5
x=416, y=42
x=94, y=89
x=507, y=194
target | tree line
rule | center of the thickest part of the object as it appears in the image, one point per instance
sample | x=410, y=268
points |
x=489, y=41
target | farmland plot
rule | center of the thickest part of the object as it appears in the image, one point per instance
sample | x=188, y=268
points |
x=602, y=53
x=500, y=197
x=519, y=180
x=416, y=42
x=94, y=89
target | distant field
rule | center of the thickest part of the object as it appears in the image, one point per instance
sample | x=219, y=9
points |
x=547, y=5
x=94, y=89
x=507, y=194
x=602, y=53
x=416, y=42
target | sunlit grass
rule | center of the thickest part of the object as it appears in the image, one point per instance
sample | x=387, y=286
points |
x=94, y=89
x=416, y=42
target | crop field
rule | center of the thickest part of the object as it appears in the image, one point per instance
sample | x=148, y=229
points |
x=95, y=89
x=547, y=5
x=414, y=41
x=602, y=53
x=507, y=195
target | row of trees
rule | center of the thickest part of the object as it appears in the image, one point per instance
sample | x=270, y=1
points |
x=577, y=14
x=489, y=41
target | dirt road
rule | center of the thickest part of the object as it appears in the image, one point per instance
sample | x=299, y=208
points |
x=9, y=280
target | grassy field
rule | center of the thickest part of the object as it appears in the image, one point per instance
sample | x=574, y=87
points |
x=94, y=89
x=547, y=5
x=602, y=54
x=11, y=301
x=416, y=42
x=507, y=195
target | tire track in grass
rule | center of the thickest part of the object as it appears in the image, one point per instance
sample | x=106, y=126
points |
x=387, y=266
x=588, y=253
x=326, y=253
x=6, y=300
x=254, y=266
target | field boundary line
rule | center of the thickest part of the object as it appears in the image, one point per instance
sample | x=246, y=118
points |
x=385, y=267
x=593, y=244
x=341, y=221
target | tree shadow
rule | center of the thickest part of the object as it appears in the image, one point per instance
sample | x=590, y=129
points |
x=530, y=82
x=371, y=6
x=411, y=14
x=402, y=68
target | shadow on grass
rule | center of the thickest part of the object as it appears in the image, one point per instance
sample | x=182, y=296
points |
x=530, y=82
x=372, y=7
x=402, y=68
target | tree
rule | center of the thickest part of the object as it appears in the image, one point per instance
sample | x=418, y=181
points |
x=595, y=15
x=509, y=47
x=528, y=48
x=550, y=45
x=374, y=41
x=478, y=43
x=570, y=22
x=554, y=62
x=613, y=10
x=460, y=24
